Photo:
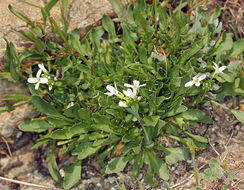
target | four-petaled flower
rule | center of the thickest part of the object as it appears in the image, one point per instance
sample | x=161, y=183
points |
x=38, y=80
x=218, y=69
x=135, y=86
x=195, y=80
x=112, y=90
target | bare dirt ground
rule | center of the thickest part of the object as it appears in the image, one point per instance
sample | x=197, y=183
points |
x=18, y=162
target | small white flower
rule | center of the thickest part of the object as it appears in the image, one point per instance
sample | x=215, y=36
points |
x=135, y=86
x=112, y=90
x=122, y=104
x=38, y=80
x=129, y=93
x=195, y=80
x=218, y=69
x=41, y=66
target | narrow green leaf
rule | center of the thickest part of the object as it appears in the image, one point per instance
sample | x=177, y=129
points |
x=109, y=27
x=197, y=137
x=20, y=15
x=52, y=164
x=72, y=175
x=35, y=126
x=16, y=97
x=40, y=45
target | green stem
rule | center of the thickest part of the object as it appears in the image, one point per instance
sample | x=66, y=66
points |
x=212, y=101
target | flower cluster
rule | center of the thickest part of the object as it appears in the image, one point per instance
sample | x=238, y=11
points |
x=128, y=96
x=42, y=78
x=199, y=77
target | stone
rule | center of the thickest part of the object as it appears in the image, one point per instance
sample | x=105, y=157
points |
x=10, y=120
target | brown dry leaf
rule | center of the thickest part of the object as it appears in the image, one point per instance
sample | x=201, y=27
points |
x=119, y=147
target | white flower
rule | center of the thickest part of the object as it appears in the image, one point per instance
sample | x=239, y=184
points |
x=129, y=93
x=136, y=84
x=195, y=80
x=122, y=104
x=41, y=66
x=218, y=69
x=38, y=80
x=112, y=90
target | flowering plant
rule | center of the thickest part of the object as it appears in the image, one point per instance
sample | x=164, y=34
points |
x=84, y=115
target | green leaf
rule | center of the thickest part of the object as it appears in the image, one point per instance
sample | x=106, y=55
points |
x=16, y=97
x=150, y=120
x=35, y=126
x=88, y=151
x=72, y=175
x=117, y=7
x=117, y=165
x=238, y=48
x=226, y=45
x=239, y=115
x=40, y=45
x=45, y=11
x=176, y=110
x=109, y=26
x=80, y=128
x=173, y=155
x=60, y=134
x=127, y=37
x=74, y=40
x=44, y=107
x=52, y=164
x=196, y=115
x=57, y=122
x=157, y=165
x=20, y=15
x=213, y=172
x=197, y=137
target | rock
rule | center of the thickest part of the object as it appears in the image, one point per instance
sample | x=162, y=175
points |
x=82, y=14
x=10, y=120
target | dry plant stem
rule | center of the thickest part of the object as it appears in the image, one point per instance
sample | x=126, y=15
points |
x=187, y=179
x=6, y=142
x=28, y=184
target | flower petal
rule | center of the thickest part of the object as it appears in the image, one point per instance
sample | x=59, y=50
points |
x=38, y=74
x=109, y=94
x=221, y=69
x=43, y=80
x=128, y=85
x=41, y=66
x=37, y=85
x=31, y=80
x=200, y=78
x=197, y=83
x=215, y=66
x=190, y=83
